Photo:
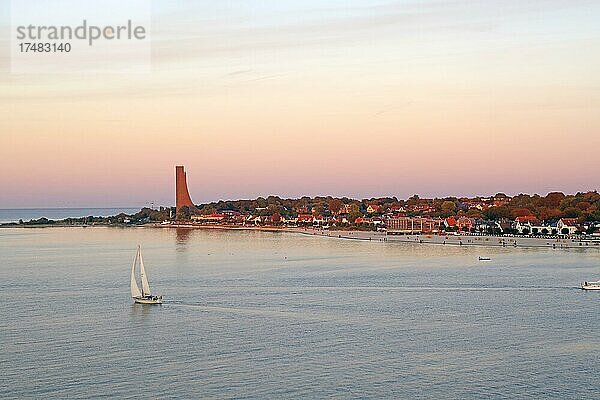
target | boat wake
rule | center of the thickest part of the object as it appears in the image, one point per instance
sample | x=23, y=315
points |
x=299, y=291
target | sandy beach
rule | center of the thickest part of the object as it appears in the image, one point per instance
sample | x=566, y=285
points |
x=429, y=239
x=449, y=239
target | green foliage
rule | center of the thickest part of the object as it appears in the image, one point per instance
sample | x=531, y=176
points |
x=40, y=221
x=354, y=213
x=448, y=208
x=149, y=214
x=571, y=212
x=184, y=213
x=497, y=213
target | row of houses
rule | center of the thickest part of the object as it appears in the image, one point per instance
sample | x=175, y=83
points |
x=521, y=225
x=530, y=224
x=301, y=219
x=403, y=224
x=235, y=217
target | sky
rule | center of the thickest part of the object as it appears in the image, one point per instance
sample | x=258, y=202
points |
x=292, y=98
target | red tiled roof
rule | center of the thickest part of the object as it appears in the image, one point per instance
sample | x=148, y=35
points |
x=526, y=218
x=305, y=218
x=569, y=221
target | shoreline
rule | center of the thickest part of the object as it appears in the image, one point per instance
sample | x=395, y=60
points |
x=430, y=239
x=451, y=239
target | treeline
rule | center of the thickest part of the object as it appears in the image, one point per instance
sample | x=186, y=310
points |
x=142, y=216
x=584, y=206
x=326, y=206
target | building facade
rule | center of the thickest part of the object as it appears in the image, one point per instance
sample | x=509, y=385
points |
x=413, y=225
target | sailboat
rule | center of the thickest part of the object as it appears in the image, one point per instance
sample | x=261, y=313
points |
x=143, y=296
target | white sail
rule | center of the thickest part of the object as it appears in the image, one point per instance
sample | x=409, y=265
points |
x=145, y=285
x=135, y=290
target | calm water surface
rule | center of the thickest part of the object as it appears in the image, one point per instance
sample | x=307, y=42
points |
x=276, y=315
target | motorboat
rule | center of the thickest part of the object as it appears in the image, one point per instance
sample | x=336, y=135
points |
x=590, y=285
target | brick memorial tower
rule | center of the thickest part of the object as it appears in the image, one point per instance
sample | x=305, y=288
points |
x=182, y=196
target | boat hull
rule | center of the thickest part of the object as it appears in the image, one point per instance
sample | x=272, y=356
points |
x=590, y=286
x=148, y=300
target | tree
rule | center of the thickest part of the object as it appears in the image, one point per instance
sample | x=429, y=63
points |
x=571, y=212
x=354, y=213
x=335, y=205
x=567, y=202
x=546, y=213
x=496, y=213
x=261, y=202
x=553, y=199
x=474, y=213
x=276, y=218
x=414, y=199
x=319, y=209
x=583, y=206
x=206, y=210
x=521, y=212
x=184, y=213
x=448, y=208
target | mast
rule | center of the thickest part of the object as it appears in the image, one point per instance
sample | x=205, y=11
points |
x=145, y=285
x=135, y=290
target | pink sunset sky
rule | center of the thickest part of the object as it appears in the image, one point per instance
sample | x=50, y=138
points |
x=346, y=98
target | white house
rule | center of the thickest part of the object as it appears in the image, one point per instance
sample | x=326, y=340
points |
x=569, y=224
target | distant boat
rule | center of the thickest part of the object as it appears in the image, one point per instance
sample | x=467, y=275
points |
x=590, y=285
x=484, y=259
x=143, y=296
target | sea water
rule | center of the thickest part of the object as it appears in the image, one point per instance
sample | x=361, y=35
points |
x=282, y=315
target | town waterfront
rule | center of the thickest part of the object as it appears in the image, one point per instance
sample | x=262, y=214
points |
x=253, y=314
